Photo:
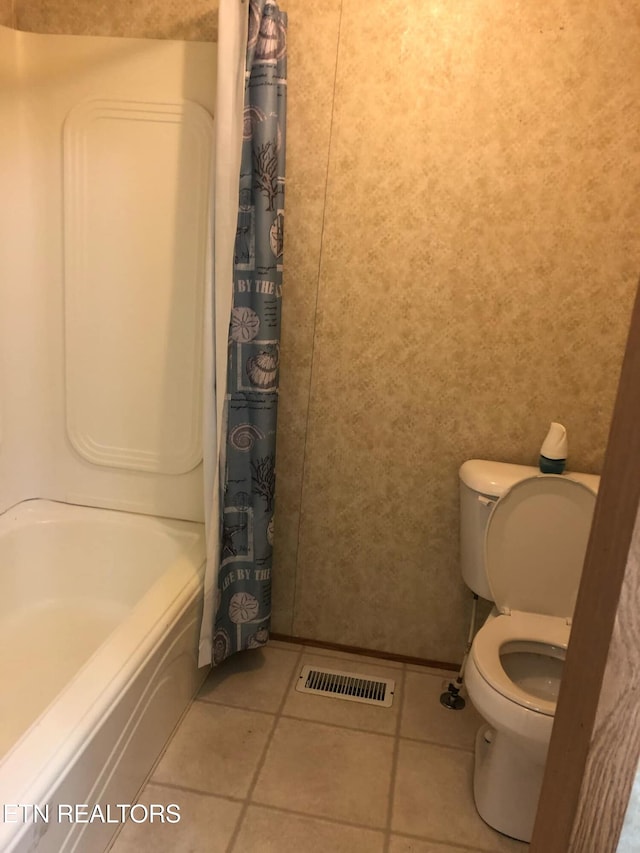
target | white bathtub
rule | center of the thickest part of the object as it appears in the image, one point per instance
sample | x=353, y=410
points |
x=99, y=621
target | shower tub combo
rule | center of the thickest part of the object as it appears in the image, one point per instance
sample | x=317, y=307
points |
x=99, y=623
x=106, y=160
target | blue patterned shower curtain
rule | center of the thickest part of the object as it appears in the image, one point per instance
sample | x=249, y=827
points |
x=243, y=602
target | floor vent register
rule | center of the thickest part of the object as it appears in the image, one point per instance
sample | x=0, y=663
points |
x=346, y=685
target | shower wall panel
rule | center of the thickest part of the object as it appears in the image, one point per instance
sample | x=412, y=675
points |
x=20, y=298
x=135, y=233
x=103, y=270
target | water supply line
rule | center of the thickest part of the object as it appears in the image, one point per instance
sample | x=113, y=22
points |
x=451, y=698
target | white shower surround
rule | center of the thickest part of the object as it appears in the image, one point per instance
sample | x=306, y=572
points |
x=104, y=259
x=102, y=269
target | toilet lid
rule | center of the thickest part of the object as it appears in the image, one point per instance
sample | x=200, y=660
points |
x=535, y=544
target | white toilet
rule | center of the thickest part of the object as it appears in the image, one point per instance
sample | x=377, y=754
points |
x=523, y=540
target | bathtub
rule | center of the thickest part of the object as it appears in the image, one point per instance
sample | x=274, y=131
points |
x=99, y=622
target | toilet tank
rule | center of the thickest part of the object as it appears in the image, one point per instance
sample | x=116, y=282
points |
x=482, y=483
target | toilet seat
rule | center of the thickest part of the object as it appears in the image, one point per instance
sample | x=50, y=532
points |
x=517, y=627
x=535, y=543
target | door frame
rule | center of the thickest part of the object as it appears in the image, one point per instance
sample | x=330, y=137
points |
x=595, y=743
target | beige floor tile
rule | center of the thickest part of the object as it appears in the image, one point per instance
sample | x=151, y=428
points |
x=216, y=749
x=270, y=831
x=433, y=798
x=419, y=845
x=424, y=718
x=206, y=823
x=327, y=772
x=341, y=712
x=350, y=656
x=254, y=679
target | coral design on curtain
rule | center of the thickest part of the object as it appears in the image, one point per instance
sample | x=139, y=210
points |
x=243, y=608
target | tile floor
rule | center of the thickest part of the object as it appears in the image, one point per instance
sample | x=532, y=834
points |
x=258, y=768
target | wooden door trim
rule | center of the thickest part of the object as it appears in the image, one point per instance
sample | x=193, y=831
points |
x=595, y=743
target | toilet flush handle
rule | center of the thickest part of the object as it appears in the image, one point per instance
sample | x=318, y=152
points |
x=488, y=502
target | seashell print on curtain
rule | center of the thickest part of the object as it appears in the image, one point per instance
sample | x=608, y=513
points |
x=244, y=581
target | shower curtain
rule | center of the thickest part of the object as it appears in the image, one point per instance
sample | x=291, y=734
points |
x=244, y=305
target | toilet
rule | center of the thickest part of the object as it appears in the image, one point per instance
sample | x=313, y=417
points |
x=523, y=539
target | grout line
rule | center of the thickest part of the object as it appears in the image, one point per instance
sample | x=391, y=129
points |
x=263, y=757
x=208, y=701
x=336, y=821
x=452, y=746
x=400, y=686
x=394, y=764
x=358, y=729
x=330, y=725
x=348, y=728
x=187, y=789
x=296, y=584
x=306, y=719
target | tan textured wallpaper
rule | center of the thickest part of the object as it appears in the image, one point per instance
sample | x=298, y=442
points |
x=6, y=13
x=462, y=248
x=190, y=20
x=480, y=249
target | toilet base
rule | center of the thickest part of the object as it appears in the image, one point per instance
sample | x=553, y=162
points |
x=506, y=784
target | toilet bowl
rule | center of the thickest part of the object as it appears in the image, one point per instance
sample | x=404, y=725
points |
x=513, y=677
x=521, y=657
x=535, y=541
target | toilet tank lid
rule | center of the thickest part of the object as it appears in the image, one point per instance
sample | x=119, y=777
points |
x=496, y=478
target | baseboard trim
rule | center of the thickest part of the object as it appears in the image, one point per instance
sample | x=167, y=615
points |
x=372, y=653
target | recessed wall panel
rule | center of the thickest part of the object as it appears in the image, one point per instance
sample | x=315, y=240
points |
x=136, y=212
